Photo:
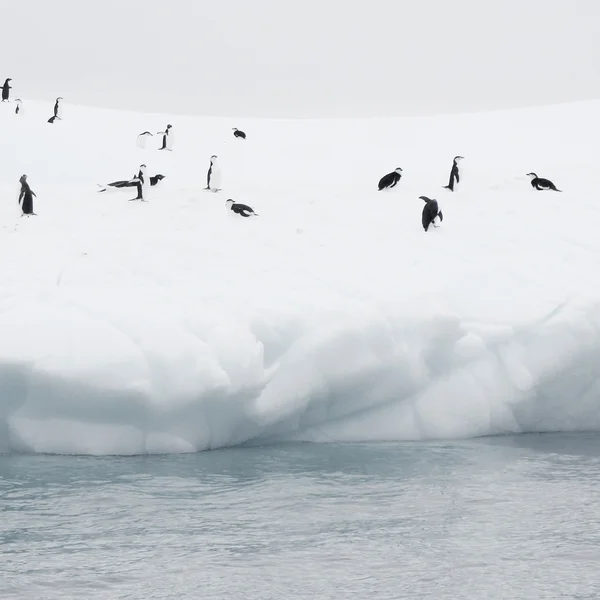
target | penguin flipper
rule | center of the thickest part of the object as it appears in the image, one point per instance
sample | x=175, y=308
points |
x=441, y=216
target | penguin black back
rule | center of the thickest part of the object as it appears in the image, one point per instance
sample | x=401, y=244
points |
x=240, y=209
x=539, y=183
x=6, y=89
x=390, y=180
x=431, y=210
x=238, y=133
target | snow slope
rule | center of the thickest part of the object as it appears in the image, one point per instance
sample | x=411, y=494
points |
x=175, y=326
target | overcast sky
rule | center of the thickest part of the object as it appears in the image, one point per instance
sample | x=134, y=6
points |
x=302, y=57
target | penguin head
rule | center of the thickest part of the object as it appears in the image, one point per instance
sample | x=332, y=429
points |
x=169, y=126
x=8, y=79
x=532, y=175
x=229, y=202
x=213, y=158
x=142, y=167
x=17, y=100
x=235, y=129
x=23, y=179
x=458, y=158
x=398, y=170
x=146, y=133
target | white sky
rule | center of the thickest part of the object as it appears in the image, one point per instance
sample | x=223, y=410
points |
x=302, y=57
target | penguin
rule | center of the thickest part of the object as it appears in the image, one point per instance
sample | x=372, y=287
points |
x=454, y=174
x=26, y=197
x=539, y=183
x=167, y=141
x=390, y=180
x=238, y=134
x=133, y=182
x=57, y=109
x=141, y=139
x=18, y=108
x=142, y=182
x=6, y=90
x=240, y=209
x=213, y=177
x=431, y=211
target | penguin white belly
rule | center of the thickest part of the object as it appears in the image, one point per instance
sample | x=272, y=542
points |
x=145, y=189
x=215, y=178
x=170, y=140
x=141, y=142
x=59, y=111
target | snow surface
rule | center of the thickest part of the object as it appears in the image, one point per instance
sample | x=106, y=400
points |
x=176, y=326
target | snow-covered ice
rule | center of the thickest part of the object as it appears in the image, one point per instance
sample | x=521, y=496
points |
x=176, y=326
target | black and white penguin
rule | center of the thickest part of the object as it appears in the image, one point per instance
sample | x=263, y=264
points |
x=142, y=182
x=240, y=209
x=18, y=108
x=142, y=138
x=454, y=174
x=390, y=180
x=431, y=211
x=26, y=196
x=57, y=109
x=238, y=133
x=539, y=183
x=213, y=177
x=6, y=90
x=167, y=140
x=133, y=182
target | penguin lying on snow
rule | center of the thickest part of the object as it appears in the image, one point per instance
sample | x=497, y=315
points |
x=390, y=180
x=131, y=182
x=238, y=133
x=431, y=211
x=539, y=183
x=240, y=209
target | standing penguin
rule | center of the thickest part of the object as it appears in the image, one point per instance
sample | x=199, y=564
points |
x=18, y=109
x=6, y=90
x=539, y=183
x=142, y=138
x=240, y=209
x=167, y=141
x=213, y=177
x=26, y=197
x=390, y=180
x=454, y=173
x=431, y=211
x=238, y=133
x=142, y=182
x=57, y=109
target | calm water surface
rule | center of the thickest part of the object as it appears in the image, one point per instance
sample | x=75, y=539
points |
x=496, y=518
